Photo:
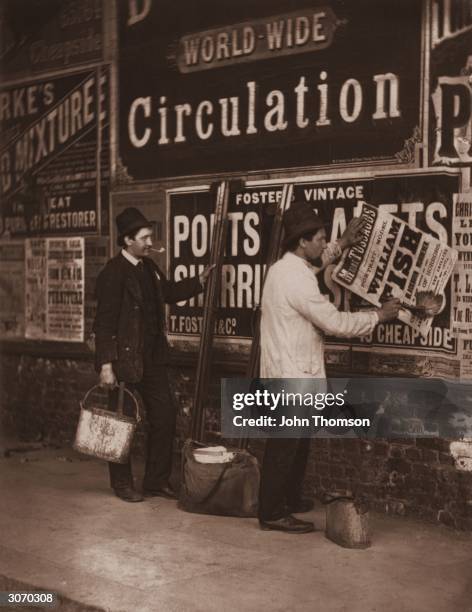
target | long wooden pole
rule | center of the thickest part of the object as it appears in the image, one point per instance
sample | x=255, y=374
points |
x=220, y=230
x=273, y=255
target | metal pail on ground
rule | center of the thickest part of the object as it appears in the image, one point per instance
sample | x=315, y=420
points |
x=105, y=434
x=347, y=522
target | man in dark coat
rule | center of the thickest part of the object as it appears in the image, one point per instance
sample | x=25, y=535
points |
x=131, y=345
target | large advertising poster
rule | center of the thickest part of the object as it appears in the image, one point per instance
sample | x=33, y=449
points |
x=53, y=155
x=54, y=289
x=12, y=289
x=191, y=218
x=242, y=86
x=424, y=201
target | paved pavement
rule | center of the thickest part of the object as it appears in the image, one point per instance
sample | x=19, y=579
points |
x=62, y=530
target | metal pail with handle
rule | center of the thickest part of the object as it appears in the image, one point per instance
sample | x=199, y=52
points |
x=105, y=434
x=347, y=521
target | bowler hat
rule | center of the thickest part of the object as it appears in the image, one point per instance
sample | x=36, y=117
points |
x=298, y=220
x=130, y=220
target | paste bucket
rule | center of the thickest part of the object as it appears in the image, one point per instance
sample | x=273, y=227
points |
x=347, y=522
x=105, y=434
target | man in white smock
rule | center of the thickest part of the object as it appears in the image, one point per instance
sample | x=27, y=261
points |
x=295, y=318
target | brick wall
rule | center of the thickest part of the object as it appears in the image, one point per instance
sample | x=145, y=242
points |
x=40, y=401
x=40, y=396
x=411, y=477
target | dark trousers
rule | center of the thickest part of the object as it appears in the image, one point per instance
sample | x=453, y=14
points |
x=283, y=469
x=161, y=417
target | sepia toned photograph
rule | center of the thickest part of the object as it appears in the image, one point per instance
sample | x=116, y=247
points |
x=236, y=305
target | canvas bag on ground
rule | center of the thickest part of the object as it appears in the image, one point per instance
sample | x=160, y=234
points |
x=228, y=489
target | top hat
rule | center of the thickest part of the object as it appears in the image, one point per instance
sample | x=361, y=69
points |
x=130, y=220
x=300, y=219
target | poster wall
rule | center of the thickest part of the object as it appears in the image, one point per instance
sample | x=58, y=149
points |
x=54, y=289
x=424, y=201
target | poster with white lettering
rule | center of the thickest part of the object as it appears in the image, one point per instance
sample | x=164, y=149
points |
x=251, y=212
x=242, y=86
x=424, y=201
x=54, y=155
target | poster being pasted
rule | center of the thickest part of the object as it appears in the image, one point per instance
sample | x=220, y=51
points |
x=393, y=259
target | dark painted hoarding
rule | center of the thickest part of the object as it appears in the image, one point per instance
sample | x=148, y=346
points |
x=212, y=86
x=37, y=36
x=51, y=148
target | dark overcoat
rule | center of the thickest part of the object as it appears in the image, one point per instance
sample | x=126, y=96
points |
x=119, y=321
